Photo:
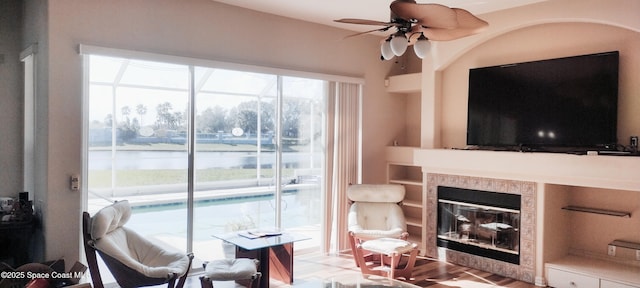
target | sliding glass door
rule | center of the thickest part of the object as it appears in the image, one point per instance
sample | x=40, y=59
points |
x=303, y=144
x=136, y=143
x=199, y=150
x=234, y=154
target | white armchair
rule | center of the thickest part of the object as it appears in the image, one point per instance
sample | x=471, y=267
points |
x=378, y=229
x=133, y=260
x=375, y=211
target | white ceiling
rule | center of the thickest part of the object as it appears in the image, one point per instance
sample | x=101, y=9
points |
x=325, y=11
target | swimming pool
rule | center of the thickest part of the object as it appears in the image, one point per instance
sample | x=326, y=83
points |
x=164, y=217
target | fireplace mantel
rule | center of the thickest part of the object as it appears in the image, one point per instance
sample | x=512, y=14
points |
x=610, y=172
x=505, y=172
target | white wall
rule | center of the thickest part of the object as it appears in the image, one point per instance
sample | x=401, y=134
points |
x=543, y=41
x=190, y=28
x=591, y=233
x=543, y=30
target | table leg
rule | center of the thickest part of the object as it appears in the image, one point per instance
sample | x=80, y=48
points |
x=275, y=262
x=281, y=262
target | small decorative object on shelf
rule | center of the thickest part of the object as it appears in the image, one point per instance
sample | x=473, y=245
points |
x=16, y=211
x=6, y=204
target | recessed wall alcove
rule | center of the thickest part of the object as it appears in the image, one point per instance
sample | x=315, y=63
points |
x=525, y=271
x=533, y=43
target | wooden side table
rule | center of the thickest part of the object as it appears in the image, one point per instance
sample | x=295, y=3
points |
x=275, y=253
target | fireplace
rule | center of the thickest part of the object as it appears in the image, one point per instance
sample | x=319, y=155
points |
x=525, y=222
x=478, y=222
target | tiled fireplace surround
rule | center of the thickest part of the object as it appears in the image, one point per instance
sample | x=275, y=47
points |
x=525, y=271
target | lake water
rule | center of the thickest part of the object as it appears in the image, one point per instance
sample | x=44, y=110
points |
x=149, y=160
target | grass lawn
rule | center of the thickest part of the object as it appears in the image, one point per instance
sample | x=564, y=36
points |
x=127, y=178
x=210, y=147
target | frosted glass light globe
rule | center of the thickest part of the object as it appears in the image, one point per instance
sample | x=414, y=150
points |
x=385, y=49
x=399, y=44
x=422, y=47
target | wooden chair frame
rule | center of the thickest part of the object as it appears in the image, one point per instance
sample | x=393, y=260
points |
x=391, y=266
x=125, y=276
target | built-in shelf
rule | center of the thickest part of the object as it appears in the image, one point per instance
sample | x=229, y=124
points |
x=404, y=83
x=598, y=211
x=414, y=238
x=400, y=154
x=413, y=221
x=402, y=171
x=406, y=182
x=625, y=244
x=599, y=270
x=412, y=203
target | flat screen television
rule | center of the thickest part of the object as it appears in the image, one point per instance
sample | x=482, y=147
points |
x=563, y=103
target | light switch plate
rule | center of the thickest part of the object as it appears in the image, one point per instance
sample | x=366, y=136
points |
x=638, y=255
x=611, y=250
x=75, y=182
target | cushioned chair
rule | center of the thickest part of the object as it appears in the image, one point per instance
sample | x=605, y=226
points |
x=375, y=214
x=231, y=270
x=133, y=260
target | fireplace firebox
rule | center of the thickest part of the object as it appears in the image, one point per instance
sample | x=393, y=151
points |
x=479, y=222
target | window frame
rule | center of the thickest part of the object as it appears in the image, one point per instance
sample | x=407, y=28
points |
x=86, y=50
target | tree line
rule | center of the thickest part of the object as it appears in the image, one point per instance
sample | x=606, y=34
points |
x=246, y=116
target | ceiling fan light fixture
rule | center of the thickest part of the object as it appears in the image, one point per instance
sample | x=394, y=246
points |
x=399, y=44
x=422, y=46
x=409, y=18
x=385, y=49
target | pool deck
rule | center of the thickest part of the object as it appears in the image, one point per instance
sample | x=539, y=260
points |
x=180, y=198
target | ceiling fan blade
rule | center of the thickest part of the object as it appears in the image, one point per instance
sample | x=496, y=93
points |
x=364, y=22
x=466, y=20
x=430, y=15
x=469, y=25
x=365, y=32
x=438, y=34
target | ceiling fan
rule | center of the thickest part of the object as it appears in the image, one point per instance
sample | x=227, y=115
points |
x=416, y=24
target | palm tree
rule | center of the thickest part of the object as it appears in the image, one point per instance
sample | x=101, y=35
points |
x=141, y=110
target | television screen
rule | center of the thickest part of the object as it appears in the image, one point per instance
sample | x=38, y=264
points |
x=556, y=103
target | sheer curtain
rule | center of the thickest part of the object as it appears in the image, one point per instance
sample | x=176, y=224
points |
x=343, y=159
